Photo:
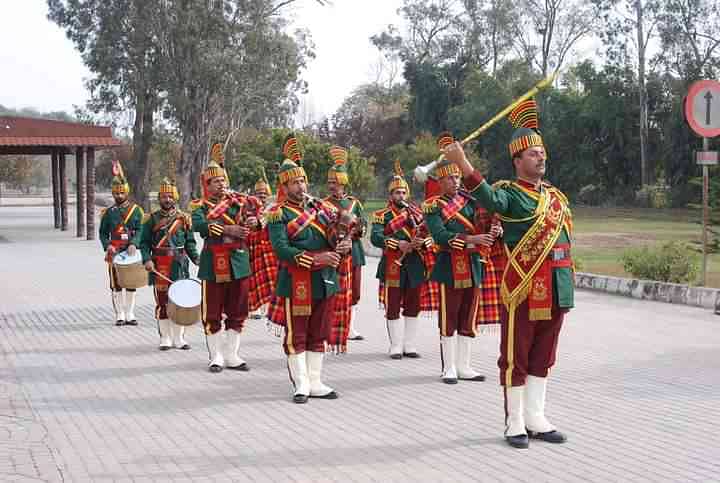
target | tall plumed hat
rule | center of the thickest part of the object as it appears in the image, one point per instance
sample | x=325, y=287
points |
x=398, y=180
x=338, y=171
x=291, y=167
x=167, y=186
x=119, y=183
x=524, y=118
x=444, y=167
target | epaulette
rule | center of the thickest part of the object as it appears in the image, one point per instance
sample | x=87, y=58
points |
x=146, y=217
x=546, y=184
x=195, y=204
x=102, y=212
x=430, y=205
x=379, y=216
x=274, y=214
x=503, y=183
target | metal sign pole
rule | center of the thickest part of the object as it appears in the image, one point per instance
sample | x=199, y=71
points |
x=706, y=214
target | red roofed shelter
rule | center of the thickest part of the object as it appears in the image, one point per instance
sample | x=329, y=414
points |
x=22, y=135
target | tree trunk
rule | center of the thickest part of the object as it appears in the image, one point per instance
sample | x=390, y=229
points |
x=193, y=158
x=645, y=177
x=142, y=142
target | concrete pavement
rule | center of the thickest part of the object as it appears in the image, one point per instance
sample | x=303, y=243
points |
x=82, y=400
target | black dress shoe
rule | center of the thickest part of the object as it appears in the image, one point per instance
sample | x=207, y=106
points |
x=478, y=378
x=215, y=368
x=549, y=436
x=449, y=380
x=184, y=347
x=411, y=355
x=119, y=322
x=518, y=441
x=330, y=395
x=164, y=347
x=131, y=322
x=300, y=398
x=242, y=367
x=396, y=356
x=357, y=337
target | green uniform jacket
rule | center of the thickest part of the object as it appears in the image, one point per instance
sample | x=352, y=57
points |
x=183, y=238
x=239, y=259
x=358, y=253
x=412, y=272
x=443, y=232
x=114, y=216
x=512, y=202
x=289, y=251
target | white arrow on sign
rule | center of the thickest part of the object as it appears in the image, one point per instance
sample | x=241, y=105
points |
x=706, y=108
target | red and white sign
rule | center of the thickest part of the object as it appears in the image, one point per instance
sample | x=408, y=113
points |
x=702, y=108
x=706, y=157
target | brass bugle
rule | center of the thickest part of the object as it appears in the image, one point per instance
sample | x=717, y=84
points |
x=421, y=172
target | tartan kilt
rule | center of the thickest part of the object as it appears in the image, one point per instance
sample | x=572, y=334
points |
x=430, y=291
x=489, y=305
x=276, y=311
x=265, y=267
x=342, y=308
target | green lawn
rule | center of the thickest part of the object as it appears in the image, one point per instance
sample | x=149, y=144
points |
x=603, y=234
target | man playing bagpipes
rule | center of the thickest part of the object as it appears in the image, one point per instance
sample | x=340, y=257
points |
x=222, y=218
x=308, y=281
x=120, y=229
x=459, y=270
x=166, y=244
x=537, y=285
x=264, y=263
x=400, y=231
x=338, y=182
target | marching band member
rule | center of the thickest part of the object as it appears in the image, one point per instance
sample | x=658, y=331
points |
x=338, y=182
x=166, y=244
x=308, y=280
x=537, y=285
x=459, y=270
x=262, y=258
x=222, y=220
x=398, y=230
x=120, y=229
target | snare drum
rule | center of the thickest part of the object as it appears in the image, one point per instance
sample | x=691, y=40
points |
x=130, y=270
x=184, y=298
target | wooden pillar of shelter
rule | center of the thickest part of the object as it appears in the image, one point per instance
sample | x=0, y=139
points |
x=63, y=193
x=80, y=192
x=55, y=187
x=90, y=188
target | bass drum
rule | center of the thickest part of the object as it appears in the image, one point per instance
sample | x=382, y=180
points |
x=130, y=270
x=184, y=299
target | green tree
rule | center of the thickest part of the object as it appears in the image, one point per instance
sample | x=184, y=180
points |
x=118, y=41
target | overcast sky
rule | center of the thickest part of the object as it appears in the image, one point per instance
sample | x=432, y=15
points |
x=40, y=68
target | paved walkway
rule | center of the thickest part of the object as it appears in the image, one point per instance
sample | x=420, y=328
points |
x=635, y=388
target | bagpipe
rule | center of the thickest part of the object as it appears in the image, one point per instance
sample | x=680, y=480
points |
x=341, y=224
x=415, y=224
x=250, y=206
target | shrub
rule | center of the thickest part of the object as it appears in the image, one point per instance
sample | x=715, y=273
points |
x=671, y=262
x=592, y=195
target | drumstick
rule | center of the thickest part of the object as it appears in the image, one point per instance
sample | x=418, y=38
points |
x=161, y=276
x=168, y=280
